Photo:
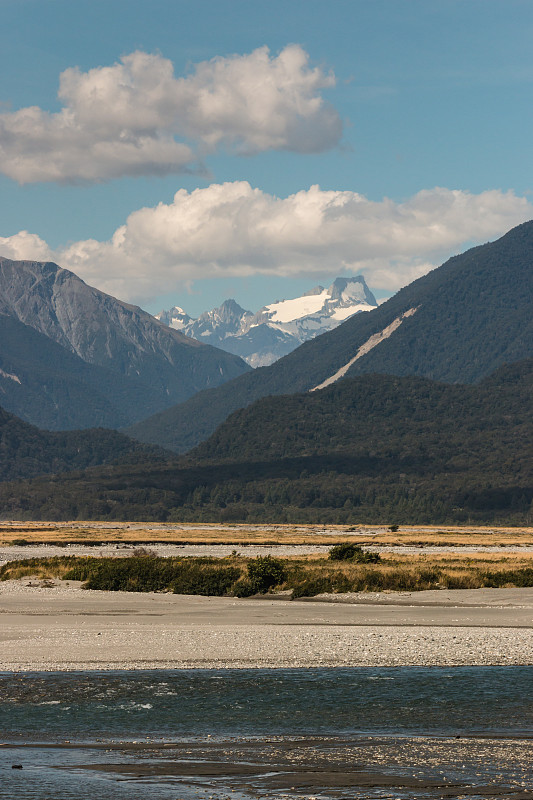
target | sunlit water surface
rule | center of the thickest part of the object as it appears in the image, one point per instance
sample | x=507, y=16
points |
x=397, y=717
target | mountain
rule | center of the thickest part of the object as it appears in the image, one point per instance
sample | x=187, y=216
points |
x=54, y=388
x=374, y=448
x=457, y=324
x=26, y=451
x=396, y=418
x=228, y=320
x=135, y=365
x=278, y=328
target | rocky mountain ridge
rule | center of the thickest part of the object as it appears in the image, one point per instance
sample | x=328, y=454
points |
x=160, y=365
x=278, y=328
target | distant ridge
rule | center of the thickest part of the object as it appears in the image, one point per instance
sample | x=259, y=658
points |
x=279, y=327
x=374, y=448
x=457, y=324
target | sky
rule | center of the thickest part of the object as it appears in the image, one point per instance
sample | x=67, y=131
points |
x=181, y=152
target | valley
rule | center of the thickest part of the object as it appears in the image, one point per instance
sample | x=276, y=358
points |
x=418, y=411
x=266, y=400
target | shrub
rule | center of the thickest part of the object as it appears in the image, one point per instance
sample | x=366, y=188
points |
x=352, y=552
x=264, y=572
x=215, y=581
x=243, y=588
x=521, y=578
x=321, y=584
x=310, y=587
x=135, y=574
x=144, y=552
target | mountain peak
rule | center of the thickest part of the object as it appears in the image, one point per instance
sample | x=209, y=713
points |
x=279, y=327
x=229, y=317
x=230, y=308
x=312, y=292
x=137, y=363
x=352, y=290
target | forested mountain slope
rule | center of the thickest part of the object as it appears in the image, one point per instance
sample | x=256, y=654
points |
x=397, y=418
x=26, y=451
x=374, y=448
x=457, y=324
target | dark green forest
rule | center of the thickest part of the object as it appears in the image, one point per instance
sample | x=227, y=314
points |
x=373, y=448
x=27, y=451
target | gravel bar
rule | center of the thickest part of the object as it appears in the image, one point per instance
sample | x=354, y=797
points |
x=66, y=628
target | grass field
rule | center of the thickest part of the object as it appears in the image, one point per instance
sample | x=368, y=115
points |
x=181, y=533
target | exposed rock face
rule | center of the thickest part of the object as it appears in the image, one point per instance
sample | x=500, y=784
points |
x=278, y=328
x=105, y=332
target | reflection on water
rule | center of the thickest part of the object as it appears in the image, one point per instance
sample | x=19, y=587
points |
x=397, y=732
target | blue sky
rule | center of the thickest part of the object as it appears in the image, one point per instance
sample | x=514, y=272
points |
x=377, y=103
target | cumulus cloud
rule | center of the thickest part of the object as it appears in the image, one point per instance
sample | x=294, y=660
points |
x=232, y=229
x=137, y=118
x=24, y=246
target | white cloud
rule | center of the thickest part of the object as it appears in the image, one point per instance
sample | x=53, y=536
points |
x=136, y=118
x=24, y=246
x=232, y=229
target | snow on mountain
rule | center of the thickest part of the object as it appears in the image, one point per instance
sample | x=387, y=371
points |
x=289, y=310
x=277, y=328
x=175, y=318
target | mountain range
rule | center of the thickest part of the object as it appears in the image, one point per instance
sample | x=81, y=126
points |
x=73, y=357
x=374, y=448
x=456, y=324
x=419, y=410
x=278, y=328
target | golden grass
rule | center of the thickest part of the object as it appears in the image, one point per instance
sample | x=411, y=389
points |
x=241, y=534
x=412, y=572
x=315, y=574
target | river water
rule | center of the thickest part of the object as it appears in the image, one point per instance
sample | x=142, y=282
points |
x=408, y=732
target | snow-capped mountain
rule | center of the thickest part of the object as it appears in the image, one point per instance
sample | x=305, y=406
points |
x=277, y=328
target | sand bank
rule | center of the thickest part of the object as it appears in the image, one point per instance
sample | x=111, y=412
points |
x=68, y=628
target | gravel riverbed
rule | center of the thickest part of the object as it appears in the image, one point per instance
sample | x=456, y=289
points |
x=67, y=628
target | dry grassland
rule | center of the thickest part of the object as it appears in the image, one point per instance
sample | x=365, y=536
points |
x=190, y=533
x=307, y=575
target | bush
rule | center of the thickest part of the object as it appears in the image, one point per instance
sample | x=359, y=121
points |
x=521, y=578
x=135, y=574
x=321, y=584
x=352, y=552
x=264, y=572
x=243, y=588
x=144, y=552
x=209, y=581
